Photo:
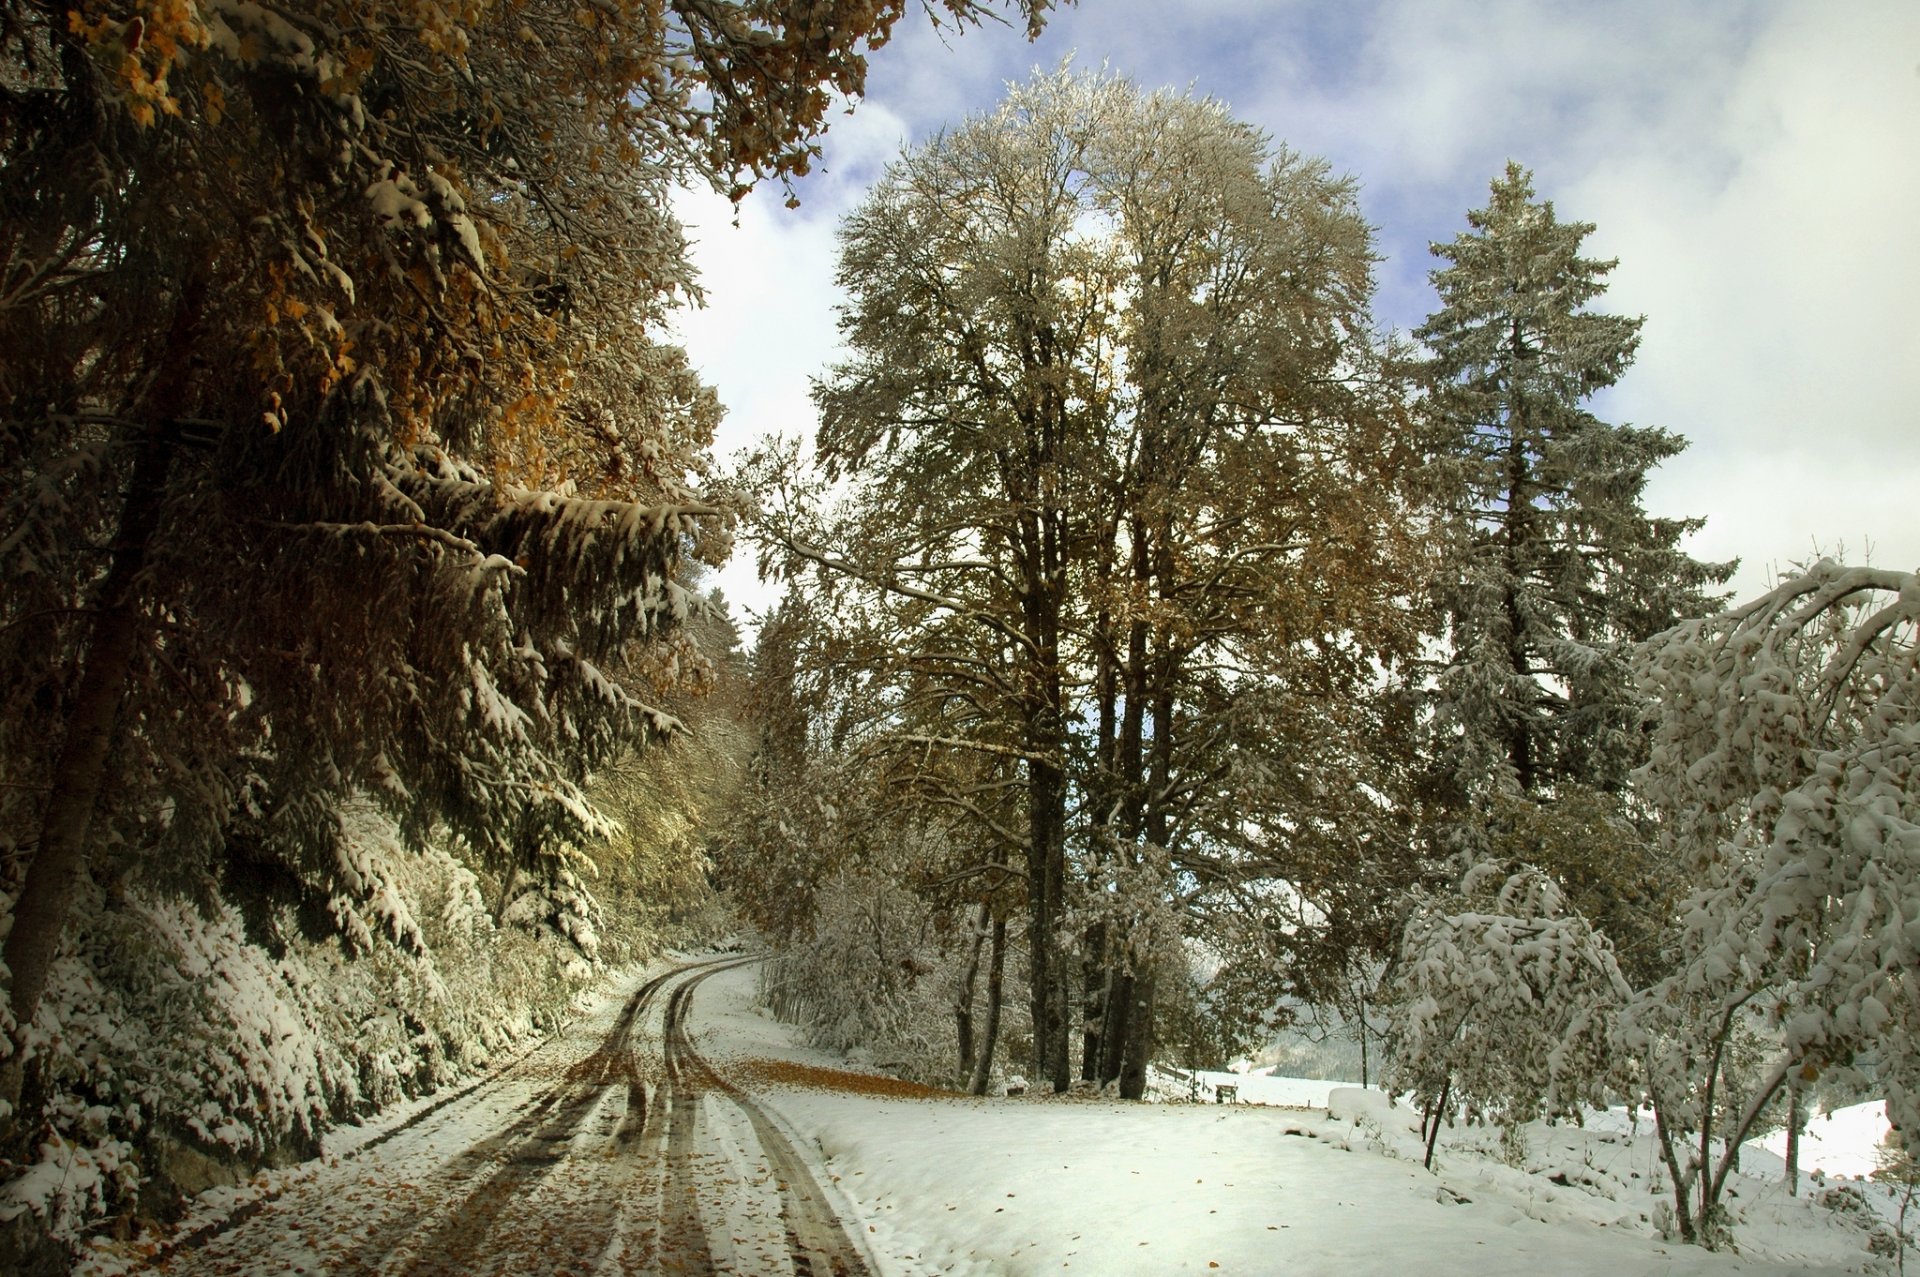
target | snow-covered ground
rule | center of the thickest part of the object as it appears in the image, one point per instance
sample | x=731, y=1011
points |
x=1032, y=1186
x=1297, y=1178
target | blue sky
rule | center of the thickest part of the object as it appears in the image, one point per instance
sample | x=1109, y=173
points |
x=1754, y=166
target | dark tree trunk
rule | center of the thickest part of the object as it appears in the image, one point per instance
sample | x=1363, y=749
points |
x=1520, y=751
x=1046, y=868
x=93, y=719
x=53, y=876
x=1097, y=969
x=1044, y=578
x=1093, y=1001
x=1120, y=1008
x=1363, y=1041
x=1137, y=1048
x=507, y=885
x=1135, y=1044
x=963, y=999
x=990, y=1031
x=1433, y=1120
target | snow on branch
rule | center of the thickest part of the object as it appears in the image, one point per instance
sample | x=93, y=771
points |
x=1785, y=769
x=1504, y=1001
x=978, y=746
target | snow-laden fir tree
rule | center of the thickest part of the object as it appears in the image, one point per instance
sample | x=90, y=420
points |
x=347, y=459
x=1552, y=566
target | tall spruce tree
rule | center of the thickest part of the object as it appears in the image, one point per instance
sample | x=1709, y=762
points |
x=1552, y=566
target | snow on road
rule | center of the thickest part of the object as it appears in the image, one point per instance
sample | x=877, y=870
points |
x=611, y=1149
x=675, y=1128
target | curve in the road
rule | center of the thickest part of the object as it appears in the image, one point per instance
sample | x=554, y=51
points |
x=484, y=1208
x=816, y=1236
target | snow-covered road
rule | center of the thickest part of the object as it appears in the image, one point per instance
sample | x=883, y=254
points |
x=675, y=1128
x=613, y=1148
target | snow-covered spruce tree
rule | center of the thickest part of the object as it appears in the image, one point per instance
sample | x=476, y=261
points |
x=1503, y=1003
x=1551, y=568
x=1785, y=769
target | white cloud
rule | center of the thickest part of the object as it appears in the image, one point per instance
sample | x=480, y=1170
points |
x=1782, y=336
x=1749, y=163
x=769, y=323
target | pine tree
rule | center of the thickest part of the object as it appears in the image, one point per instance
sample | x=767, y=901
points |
x=1552, y=567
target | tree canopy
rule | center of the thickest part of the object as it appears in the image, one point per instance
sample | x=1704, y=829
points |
x=1126, y=506
x=345, y=452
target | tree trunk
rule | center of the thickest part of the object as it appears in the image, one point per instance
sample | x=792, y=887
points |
x=53, y=876
x=507, y=885
x=1362, y=1003
x=1433, y=1122
x=1794, y=1118
x=1040, y=537
x=1520, y=739
x=1137, y=1049
x=1136, y=1041
x=1093, y=1002
x=1121, y=1004
x=1046, y=868
x=963, y=998
x=990, y=1031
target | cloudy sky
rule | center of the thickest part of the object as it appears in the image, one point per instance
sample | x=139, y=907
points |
x=1754, y=166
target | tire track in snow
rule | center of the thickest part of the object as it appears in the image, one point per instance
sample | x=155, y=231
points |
x=530, y=1150
x=212, y=1231
x=623, y=1165
x=818, y=1241
x=458, y=1204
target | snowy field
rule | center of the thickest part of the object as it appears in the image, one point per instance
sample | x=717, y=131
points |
x=1031, y=1186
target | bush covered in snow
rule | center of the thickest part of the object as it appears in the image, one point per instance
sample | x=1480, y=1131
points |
x=1784, y=783
x=1504, y=1003
x=1786, y=772
x=882, y=974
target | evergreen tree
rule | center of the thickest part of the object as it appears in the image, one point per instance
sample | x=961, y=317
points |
x=345, y=451
x=1552, y=567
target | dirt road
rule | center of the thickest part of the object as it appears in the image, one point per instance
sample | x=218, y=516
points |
x=614, y=1148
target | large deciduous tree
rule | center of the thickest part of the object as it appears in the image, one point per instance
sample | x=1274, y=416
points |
x=1124, y=477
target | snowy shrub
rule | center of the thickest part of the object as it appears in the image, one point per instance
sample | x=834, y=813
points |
x=1503, y=1003
x=190, y=1043
x=879, y=974
x=1786, y=771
